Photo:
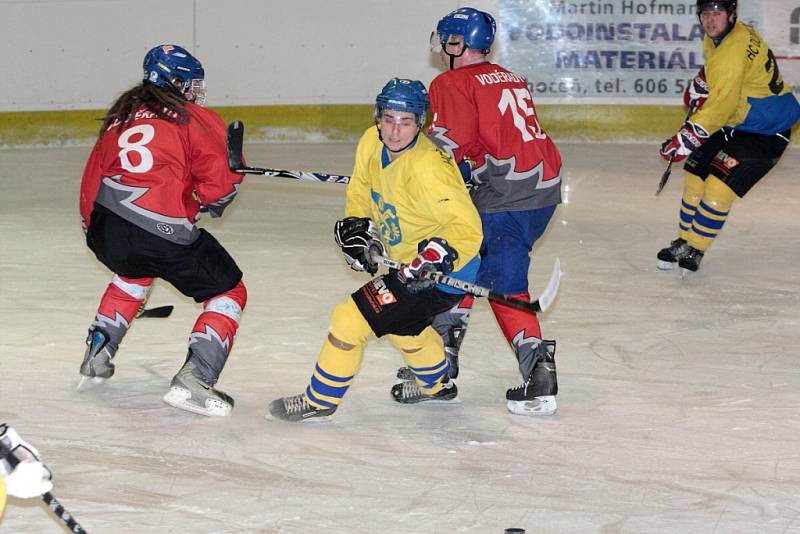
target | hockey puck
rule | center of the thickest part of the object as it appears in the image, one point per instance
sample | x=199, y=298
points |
x=515, y=531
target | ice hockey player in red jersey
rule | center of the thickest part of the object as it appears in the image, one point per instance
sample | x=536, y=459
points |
x=484, y=116
x=159, y=163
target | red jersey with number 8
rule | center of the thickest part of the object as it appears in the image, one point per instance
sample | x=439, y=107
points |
x=160, y=175
x=485, y=114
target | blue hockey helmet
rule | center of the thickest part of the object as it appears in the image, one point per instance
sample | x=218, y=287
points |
x=400, y=94
x=477, y=27
x=172, y=65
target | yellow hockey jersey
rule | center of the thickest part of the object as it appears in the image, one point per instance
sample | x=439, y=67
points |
x=746, y=90
x=419, y=195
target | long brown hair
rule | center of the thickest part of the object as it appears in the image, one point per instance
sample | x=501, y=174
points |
x=164, y=102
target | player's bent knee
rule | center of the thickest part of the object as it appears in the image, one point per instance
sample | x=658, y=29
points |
x=230, y=304
x=719, y=195
x=338, y=343
x=348, y=326
x=427, y=340
x=693, y=187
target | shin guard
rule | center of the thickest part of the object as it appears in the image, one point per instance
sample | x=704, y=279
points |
x=693, y=188
x=522, y=331
x=424, y=355
x=452, y=327
x=337, y=365
x=711, y=214
x=213, y=333
x=118, y=308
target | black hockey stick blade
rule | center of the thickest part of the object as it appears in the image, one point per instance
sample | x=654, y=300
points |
x=235, y=144
x=665, y=176
x=158, y=312
x=52, y=502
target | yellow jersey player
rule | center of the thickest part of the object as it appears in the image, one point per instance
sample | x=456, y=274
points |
x=406, y=199
x=741, y=125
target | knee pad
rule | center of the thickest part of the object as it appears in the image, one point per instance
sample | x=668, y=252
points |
x=427, y=341
x=137, y=288
x=230, y=304
x=348, y=325
x=718, y=195
x=693, y=189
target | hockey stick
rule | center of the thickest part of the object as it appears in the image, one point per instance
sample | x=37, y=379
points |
x=668, y=170
x=48, y=498
x=665, y=176
x=539, y=305
x=236, y=161
x=159, y=311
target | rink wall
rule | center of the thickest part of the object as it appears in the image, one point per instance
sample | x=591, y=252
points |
x=308, y=70
x=647, y=124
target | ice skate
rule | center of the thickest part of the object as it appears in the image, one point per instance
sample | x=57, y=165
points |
x=189, y=391
x=690, y=262
x=96, y=367
x=297, y=409
x=537, y=395
x=668, y=257
x=409, y=392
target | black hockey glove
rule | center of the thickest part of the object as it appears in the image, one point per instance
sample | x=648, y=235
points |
x=434, y=255
x=359, y=239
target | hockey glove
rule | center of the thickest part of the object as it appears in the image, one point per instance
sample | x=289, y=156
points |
x=696, y=92
x=359, y=239
x=689, y=138
x=25, y=474
x=434, y=255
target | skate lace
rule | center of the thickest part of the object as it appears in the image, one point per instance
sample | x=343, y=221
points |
x=523, y=388
x=410, y=389
x=296, y=404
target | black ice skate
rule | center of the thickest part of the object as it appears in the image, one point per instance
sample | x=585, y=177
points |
x=189, y=391
x=691, y=261
x=668, y=257
x=409, y=392
x=96, y=367
x=297, y=409
x=537, y=395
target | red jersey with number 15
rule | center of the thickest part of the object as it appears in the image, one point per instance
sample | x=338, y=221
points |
x=160, y=175
x=485, y=114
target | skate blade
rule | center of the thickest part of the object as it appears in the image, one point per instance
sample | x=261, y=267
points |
x=686, y=273
x=318, y=419
x=533, y=407
x=665, y=265
x=89, y=382
x=454, y=400
x=181, y=398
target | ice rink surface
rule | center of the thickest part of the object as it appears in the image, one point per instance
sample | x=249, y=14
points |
x=679, y=404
